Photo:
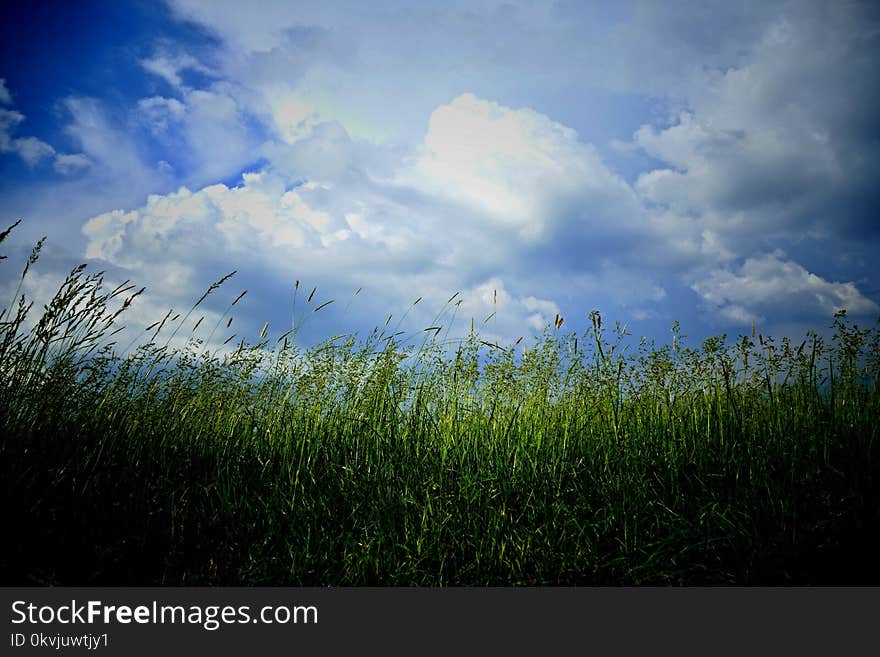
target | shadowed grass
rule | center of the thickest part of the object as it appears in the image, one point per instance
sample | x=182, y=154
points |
x=568, y=459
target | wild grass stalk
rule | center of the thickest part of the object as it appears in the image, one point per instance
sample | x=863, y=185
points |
x=394, y=458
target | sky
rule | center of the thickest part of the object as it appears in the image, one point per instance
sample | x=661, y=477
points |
x=713, y=163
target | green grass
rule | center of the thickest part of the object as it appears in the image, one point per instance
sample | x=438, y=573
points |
x=584, y=458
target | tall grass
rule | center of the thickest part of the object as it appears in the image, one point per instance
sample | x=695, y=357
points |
x=573, y=458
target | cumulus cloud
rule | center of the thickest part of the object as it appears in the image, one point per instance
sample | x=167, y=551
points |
x=294, y=118
x=502, y=316
x=495, y=157
x=770, y=283
x=360, y=233
x=774, y=144
x=221, y=219
x=433, y=226
x=325, y=152
x=505, y=169
x=521, y=168
x=770, y=152
x=750, y=128
x=743, y=168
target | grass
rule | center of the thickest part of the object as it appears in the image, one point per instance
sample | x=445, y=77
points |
x=389, y=459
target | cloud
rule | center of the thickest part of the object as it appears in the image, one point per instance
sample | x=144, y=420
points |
x=247, y=30
x=100, y=168
x=746, y=167
x=498, y=158
x=771, y=147
x=771, y=153
x=294, y=118
x=171, y=67
x=770, y=285
x=107, y=145
x=208, y=129
x=501, y=316
x=31, y=149
x=105, y=233
x=521, y=168
x=238, y=222
x=206, y=135
x=159, y=112
x=8, y=120
x=70, y=164
x=5, y=96
x=339, y=237
x=217, y=133
x=325, y=153
x=433, y=225
x=634, y=159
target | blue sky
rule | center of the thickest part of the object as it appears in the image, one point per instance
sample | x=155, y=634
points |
x=714, y=163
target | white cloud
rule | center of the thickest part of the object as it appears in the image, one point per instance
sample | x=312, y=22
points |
x=217, y=134
x=169, y=67
x=323, y=151
x=248, y=30
x=427, y=229
x=765, y=148
x=294, y=118
x=543, y=312
x=8, y=120
x=520, y=167
x=269, y=232
x=207, y=131
x=771, y=152
x=159, y=112
x=107, y=145
x=71, y=163
x=501, y=316
x=746, y=165
x=770, y=283
x=351, y=235
x=32, y=150
x=239, y=222
x=105, y=233
x=757, y=139
x=209, y=127
x=5, y=96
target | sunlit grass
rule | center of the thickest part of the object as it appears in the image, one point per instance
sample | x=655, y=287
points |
x=395, y=458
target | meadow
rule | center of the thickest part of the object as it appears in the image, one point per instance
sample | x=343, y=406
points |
x=390, y=458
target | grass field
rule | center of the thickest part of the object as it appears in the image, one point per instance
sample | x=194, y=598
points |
x=412, y=459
